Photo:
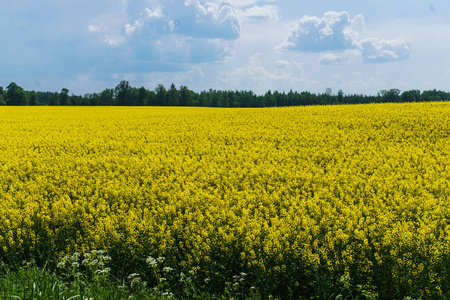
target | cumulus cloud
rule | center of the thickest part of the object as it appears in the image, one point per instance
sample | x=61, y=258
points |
x=288, y=70
x=332, y=59
x=254, y=73
x=377, y=50
x=97, y=28
x=211, y=20
x=337, y=31
x=114, y=41
x=146, y=17
x=192, y=18
x=334, y=31
x=210, y=50
x=245, y=3
x=261, y=13
x=163, y=34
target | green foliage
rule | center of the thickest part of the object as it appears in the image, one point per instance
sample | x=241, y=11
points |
x=122, y=93
x=410, y=96
x=54, y=99
x=33, y=98
x=16, y=95
x=173, y=96
x=64, y=97
x=88, y=276
x=126, y=95
x=160, y=95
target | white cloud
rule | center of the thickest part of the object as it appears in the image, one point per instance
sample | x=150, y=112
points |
x=286, y=74
x=260, y=13
x=332, y=59
x=149, y=14
x=252, y=71
x=210, y=50
x=336, y=31
x=193, y=19
x=114, y=41
x=146, y=16
x=377, y=50
x=209, y=20
x=97, y=28
x=164, y=36
x=289, y=70
x=245, y=3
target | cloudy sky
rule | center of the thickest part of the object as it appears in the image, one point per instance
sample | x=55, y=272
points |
x=357, y=46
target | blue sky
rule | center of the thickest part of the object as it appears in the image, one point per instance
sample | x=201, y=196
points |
x=357, y=46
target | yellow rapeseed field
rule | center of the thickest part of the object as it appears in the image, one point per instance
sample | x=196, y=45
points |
x=346, y=190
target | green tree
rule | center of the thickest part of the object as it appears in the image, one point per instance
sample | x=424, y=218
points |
x=33, y=98
x=290, y=98
x=213, y=96
x=224, y=97
x=202, y=99
x=95, y=98
x=151, y=98
x=340, y=97
x=269, y=100
x=185, y=95
x=106, y=98
x=76, y=100
x=2, y=97
x=435, y=95
x=53, y=100
x=193, y=99
x=382, y=95
x=173, y=96
x=259, y=101
x=122, y=93
x=64, y=97
x=142, y=97
x=393, y=95
x=160, y=95
x=411, y=96
x=15, y=95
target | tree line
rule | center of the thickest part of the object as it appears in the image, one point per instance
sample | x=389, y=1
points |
x=126, y=95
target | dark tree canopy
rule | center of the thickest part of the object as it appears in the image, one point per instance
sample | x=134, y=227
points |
x=126, y=95
x=64, y=97
x=15, y=95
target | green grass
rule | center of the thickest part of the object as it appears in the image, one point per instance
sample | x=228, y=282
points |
x=31, y=282
x=89, y=277
x=38, y=283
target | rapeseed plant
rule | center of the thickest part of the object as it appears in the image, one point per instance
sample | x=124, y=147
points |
x=285, y=195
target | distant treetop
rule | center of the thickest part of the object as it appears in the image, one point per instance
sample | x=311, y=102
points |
x=126, y=95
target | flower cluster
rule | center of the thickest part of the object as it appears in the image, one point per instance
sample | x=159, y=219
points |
x=360, y=190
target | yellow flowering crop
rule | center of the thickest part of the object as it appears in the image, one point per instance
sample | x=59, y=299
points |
x=361, y=190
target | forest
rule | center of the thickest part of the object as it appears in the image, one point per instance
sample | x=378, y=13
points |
x=126, y=95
